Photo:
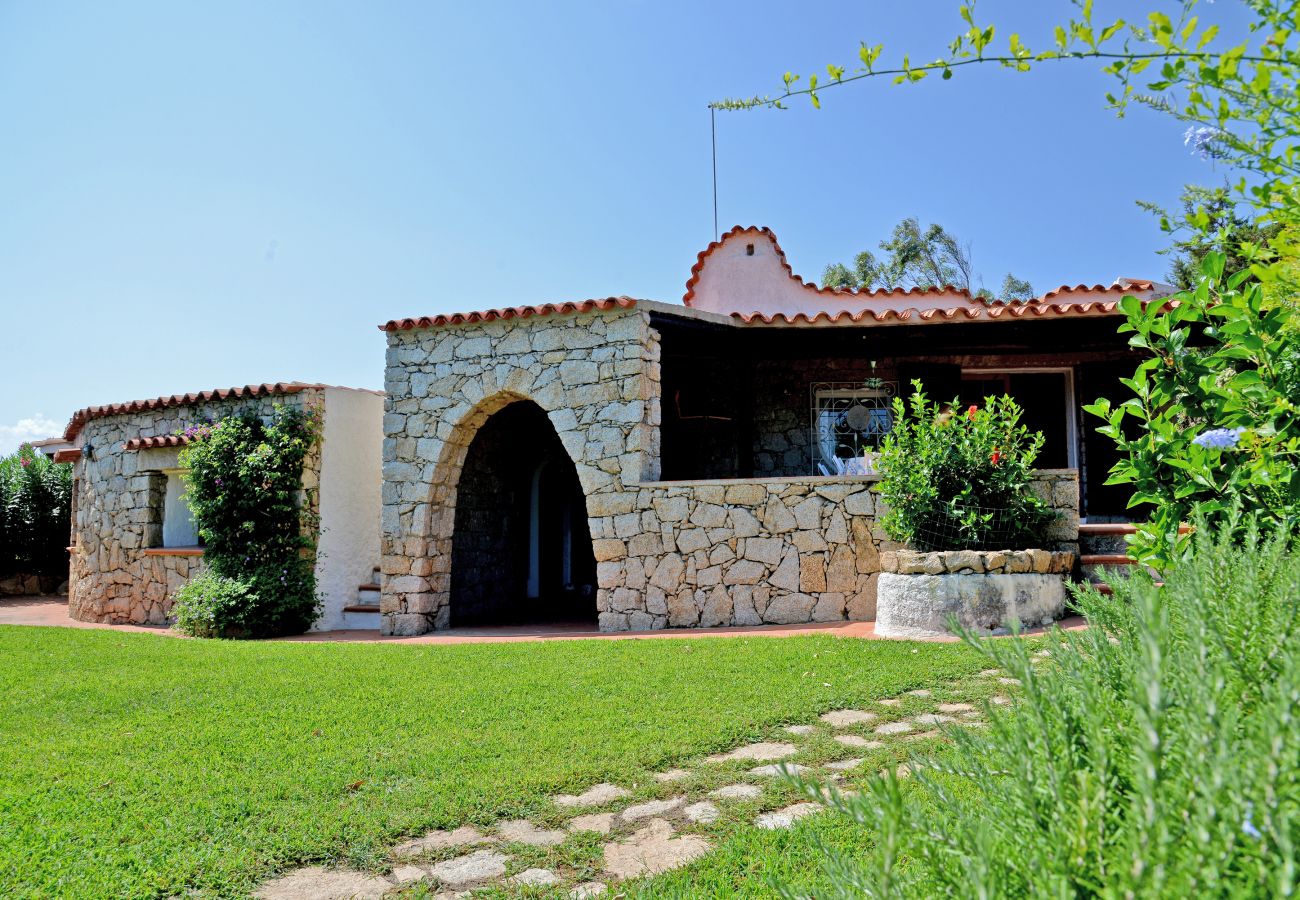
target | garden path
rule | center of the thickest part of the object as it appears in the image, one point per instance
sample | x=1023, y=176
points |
x=583, y=843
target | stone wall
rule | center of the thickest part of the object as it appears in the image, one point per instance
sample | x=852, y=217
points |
x=759, y=551
x=669, y=554
x=777, y=551
x=118, y=574
x=596, y=376
x=987, y=591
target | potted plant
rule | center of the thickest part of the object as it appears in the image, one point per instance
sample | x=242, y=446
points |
x=958, y=489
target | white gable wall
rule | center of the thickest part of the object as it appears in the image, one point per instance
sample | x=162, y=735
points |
x=351, y=476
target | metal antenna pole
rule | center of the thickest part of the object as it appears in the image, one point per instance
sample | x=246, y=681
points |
x=713, y=128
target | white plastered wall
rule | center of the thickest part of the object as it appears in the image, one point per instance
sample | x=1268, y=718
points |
x=350, y=482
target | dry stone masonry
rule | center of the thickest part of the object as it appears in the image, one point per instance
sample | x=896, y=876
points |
x=120, y=573
x=668, y=554
x=595, y=375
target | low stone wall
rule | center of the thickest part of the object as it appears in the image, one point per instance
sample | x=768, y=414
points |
x=702, y=554
x=765, y=551
x=985, y=591
x=978, y=562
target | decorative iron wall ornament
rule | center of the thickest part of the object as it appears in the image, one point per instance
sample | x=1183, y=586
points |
x=848, y=419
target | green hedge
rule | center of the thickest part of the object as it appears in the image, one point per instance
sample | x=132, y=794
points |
x=35, y=514
x=245, y=478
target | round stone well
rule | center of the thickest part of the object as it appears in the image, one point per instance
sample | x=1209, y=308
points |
x=985, y=590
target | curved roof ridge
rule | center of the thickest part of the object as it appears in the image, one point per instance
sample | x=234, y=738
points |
x=1119, y=286
x=768, y=233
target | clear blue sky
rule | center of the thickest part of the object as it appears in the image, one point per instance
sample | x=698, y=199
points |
x=202, y=195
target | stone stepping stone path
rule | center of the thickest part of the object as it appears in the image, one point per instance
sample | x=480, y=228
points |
x=594, y=796
x=534, y=878
x=702, y=813
x=773, y=770
x=756, y=752
x=652, y=808
x=933, y=719
x=465, y=836
x=318, y=882
x=844, y=765
x=672, y=775
x=468, y=871
x=843, y=718
x=521, y=831
x=853, y=740
x=601, y=823
x=642, y=838
x=652, y=849
x=784, y=818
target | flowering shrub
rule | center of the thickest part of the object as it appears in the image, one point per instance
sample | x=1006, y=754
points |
x=961, y=481
x=35, y=505
x=1153, y=754
x=245, y=479
x=1217, y=404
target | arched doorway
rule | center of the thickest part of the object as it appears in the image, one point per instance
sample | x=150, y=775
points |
x=521, y=548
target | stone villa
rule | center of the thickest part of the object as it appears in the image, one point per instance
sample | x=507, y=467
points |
x=630, y=463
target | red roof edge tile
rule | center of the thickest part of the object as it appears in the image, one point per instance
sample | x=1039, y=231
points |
x=510, y=312
x=1031, y=310
x=82, y=416
x=162, y=440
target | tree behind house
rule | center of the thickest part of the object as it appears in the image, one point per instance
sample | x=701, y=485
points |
x=916, y=257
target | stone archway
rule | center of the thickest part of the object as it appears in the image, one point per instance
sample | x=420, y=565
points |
x=520, y=545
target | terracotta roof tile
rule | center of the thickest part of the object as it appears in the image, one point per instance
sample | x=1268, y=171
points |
x=152, y=443
x=82, y=416
x=952, y=314
x=67, y=455
x=510, y=312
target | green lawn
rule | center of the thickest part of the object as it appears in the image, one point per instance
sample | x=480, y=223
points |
x=136, y=765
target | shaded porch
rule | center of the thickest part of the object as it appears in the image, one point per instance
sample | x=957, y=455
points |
x=789, y=401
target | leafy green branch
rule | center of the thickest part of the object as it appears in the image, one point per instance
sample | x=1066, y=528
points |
x=1239, y=101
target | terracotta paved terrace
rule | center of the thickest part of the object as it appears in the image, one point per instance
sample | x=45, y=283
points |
x=53, y=612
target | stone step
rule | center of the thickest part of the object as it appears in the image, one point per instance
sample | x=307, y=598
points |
x=1103, y=588
x=1105, y=559
x=363, y=616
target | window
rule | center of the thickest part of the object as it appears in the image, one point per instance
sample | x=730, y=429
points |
x=849, y=420
x=178, y=529
x=1047, y=398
